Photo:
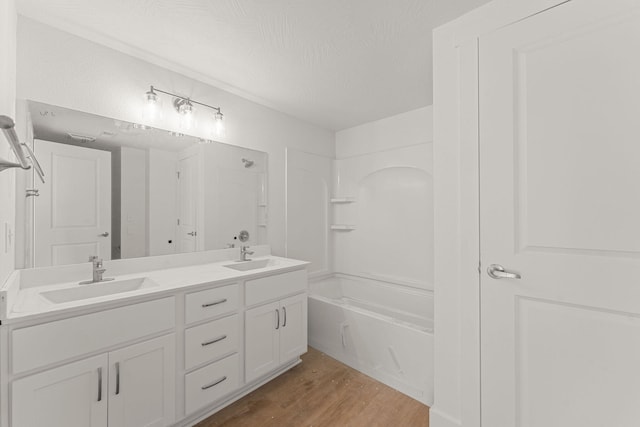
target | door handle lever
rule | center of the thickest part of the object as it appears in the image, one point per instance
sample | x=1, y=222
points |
x=496, y=271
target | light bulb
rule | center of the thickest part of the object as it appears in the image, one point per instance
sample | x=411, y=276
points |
x=152, y=106
x=186, y=115
x=218, y=126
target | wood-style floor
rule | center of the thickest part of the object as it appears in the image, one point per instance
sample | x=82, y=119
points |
x=322, y=392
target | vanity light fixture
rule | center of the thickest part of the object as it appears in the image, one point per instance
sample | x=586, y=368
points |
x=218, y=126
x=184, y=107
x=152, y=106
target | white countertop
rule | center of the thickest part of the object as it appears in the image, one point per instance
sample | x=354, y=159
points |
x=27, y=303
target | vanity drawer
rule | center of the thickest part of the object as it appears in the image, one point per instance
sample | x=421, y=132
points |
x=208, y=342
x=274, y=287
x=208, y=384
x=52, y=342
x=211, y=303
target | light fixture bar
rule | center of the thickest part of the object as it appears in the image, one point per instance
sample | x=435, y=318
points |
x=184, y=98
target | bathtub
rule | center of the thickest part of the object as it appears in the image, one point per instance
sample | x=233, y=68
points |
x=381, y=329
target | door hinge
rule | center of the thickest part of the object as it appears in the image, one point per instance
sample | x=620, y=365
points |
x=479, y=267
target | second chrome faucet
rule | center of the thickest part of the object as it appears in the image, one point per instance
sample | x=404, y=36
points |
x=98, y=271
x=244, y=251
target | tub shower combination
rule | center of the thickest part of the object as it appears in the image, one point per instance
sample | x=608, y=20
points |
x=382, y=329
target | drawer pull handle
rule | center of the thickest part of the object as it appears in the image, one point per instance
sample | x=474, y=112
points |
x=117, y=378
x=210, y=304
x=284, y=310
x=215, y=383
x=99, y=384
x=213, y=341
x=278, y=319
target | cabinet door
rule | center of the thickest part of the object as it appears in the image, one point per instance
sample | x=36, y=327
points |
x=73, y=395
x=293, y=329
x=142, y=384
x=262, y=325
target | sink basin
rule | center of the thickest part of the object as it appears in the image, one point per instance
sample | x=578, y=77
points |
x=251, y=265
x=101, y=289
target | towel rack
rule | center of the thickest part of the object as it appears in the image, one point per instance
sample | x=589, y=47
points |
x=8, y=128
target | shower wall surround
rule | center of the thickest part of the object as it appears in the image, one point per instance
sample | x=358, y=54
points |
x=371, y=209
x=386, y=208
x=383, y=186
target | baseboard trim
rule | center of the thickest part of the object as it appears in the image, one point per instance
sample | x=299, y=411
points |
x=440, y=419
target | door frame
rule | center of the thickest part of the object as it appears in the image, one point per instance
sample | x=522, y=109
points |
x=457, y=207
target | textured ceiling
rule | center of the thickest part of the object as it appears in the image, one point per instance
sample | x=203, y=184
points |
x=335, y=63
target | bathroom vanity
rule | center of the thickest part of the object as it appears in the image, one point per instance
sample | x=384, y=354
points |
x=170, y=341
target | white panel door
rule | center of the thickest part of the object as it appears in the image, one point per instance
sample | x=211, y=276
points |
x=188, y=199
x=560, y=204
x=262, y=350
x=142, y=384
x=73, y=395
x=293, y=329
x=73, y=211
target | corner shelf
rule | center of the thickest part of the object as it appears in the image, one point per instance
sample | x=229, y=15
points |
x=342, y=227
x=340, y=200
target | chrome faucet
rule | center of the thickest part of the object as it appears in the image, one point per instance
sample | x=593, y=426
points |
x=98, y=270
x=244, y=251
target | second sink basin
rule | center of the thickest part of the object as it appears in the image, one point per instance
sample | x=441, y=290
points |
x=99, y=289
x=251, y=265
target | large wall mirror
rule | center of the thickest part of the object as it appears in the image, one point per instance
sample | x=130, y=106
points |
x=120, y=190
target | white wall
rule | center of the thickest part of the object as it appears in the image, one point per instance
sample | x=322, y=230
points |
x=387, y=166
x=403, y=130
x=8, y=108
x=162, y=202
x=133, y=203
x=309, y=184
x=61, y=69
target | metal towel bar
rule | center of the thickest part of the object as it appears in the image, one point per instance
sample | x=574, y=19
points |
x=7, y=126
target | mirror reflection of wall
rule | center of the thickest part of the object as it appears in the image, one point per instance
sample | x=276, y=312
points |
x=120, y=190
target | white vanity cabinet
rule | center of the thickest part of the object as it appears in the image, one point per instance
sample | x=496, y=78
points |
x=132, y=386
x=127, y=383
x=73, y=395
x=142, y=384
x=275, y=332
x=170, y=358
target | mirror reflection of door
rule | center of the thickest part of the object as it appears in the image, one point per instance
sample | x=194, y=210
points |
x=188, y=188
x=72, y=215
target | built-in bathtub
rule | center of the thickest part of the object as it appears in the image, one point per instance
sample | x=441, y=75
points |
x=382, y=329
